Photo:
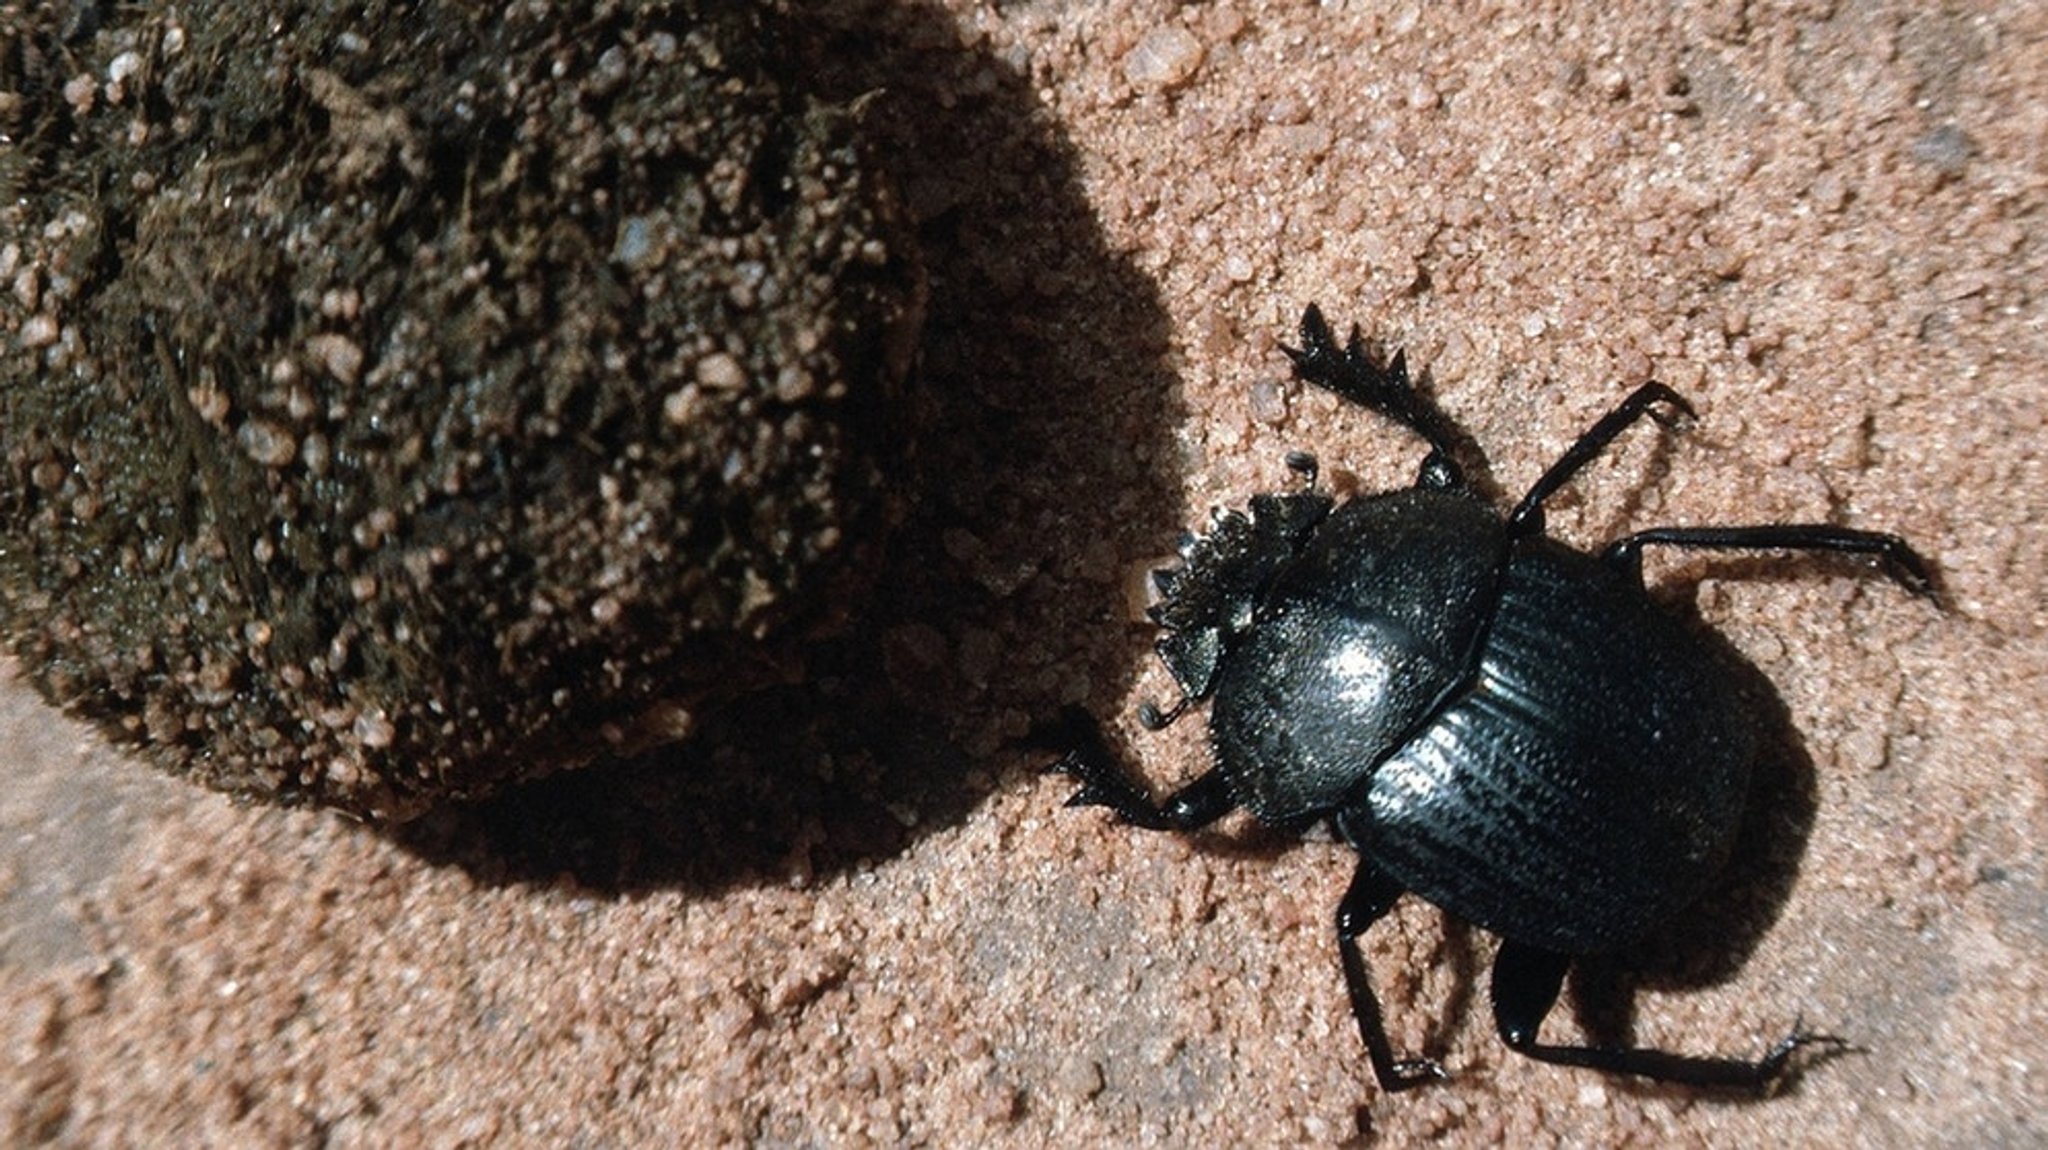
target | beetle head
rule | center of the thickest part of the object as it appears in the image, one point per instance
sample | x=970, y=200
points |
x=1208, y=601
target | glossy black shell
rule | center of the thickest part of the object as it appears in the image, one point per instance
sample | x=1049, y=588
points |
x=1512, y=730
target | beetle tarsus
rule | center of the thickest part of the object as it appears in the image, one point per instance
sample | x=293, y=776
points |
x=1779, y=1069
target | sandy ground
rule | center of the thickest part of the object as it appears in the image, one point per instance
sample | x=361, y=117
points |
x=1823, y=222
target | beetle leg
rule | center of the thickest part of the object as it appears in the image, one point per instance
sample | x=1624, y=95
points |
x=1526, y=982
x=1191, y=808
x=1104, y=784
x=1901, y=562
x=1351, y=373
x=1371, y=895
x=1527, y=517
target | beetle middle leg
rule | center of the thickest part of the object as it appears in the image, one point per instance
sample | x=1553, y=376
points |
x=1647, y=400
x=1901, y=562
x=1371, y=895
x=1526, y=982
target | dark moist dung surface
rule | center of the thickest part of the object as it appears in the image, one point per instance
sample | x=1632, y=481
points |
x=404, y=400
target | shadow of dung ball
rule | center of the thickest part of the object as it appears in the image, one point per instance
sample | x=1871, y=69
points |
x=398, y=402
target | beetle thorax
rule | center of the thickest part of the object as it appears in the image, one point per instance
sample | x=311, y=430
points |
x=1355, y=644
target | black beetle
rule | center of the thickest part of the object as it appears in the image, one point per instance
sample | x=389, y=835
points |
x=1503, y=725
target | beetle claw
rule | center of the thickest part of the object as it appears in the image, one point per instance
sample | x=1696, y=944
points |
x=1779, y=1068
x=1412, y=1072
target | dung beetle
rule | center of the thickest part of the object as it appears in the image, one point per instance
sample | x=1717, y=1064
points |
x=1503, y=725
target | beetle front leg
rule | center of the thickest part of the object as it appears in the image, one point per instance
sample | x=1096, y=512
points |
x=1350, y=372
x=1526, y=982
x=1105, y=784
x=1371, y=895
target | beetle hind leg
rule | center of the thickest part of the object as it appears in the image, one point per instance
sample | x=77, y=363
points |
x=1526, y=982
x=1371, y=895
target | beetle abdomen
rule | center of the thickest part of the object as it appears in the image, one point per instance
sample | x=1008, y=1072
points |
x=1586, y=786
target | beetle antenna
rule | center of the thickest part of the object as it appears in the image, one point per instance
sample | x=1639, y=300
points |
x=1303, y=464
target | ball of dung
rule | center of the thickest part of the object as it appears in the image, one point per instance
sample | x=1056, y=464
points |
x=403, y=401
